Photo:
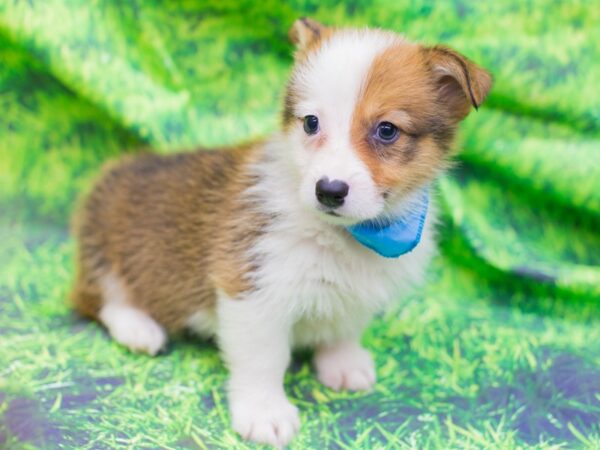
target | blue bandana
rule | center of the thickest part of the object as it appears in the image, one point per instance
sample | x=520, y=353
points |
x=393, y=238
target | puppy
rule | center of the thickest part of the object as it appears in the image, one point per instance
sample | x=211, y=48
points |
x=294, y=242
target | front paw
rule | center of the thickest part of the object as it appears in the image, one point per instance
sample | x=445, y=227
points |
x=345, y=366
x=270, y=420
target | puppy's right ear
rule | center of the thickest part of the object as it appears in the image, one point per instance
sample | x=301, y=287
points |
x=305, y=32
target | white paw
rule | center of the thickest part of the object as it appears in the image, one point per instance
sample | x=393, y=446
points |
x=272, y=420
x=345, y=366
x=133, y=328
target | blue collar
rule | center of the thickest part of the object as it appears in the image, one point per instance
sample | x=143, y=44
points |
x=396, y=237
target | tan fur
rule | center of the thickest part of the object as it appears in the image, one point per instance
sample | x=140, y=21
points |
x=170, y=228
x=405, y=87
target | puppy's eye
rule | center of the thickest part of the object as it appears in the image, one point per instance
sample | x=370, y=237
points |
x=387, y=133
x=311, y=124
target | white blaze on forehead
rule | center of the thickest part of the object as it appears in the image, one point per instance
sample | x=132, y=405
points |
x=329, y=83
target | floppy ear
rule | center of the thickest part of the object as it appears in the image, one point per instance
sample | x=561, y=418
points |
x=305, y=32
x=462, y=83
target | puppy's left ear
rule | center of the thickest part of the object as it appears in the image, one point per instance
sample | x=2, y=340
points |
x=305, y=32
x=462, y=83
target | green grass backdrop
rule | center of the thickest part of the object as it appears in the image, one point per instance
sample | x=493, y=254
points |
x=501, y=349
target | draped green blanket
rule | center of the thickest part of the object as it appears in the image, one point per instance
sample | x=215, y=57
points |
x=501, y=349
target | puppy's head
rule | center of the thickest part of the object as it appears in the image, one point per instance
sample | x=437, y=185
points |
x=370, y=117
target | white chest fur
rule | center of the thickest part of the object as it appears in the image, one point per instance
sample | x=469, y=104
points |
x=330, y=284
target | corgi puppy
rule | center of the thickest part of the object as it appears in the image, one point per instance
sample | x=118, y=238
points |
x=293, y=242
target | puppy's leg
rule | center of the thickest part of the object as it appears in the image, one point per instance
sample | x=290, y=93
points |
x=345, y=365
x=254, y=337
x=128, y=325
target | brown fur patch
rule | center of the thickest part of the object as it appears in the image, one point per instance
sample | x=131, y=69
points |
x=170, y=228
x=403, y=88
x=399, y=90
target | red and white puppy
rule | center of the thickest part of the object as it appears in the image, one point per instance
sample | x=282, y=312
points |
x=250, y=244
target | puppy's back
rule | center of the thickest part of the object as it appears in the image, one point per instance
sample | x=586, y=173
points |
x=148, y=221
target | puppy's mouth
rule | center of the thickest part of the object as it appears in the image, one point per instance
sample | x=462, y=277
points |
x=336, y=217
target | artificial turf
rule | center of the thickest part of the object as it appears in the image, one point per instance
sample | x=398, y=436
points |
x=500, y=349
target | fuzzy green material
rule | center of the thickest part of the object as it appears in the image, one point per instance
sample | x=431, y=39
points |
x=501, y=349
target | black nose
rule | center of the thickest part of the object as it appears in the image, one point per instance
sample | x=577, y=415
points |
x=331, y=193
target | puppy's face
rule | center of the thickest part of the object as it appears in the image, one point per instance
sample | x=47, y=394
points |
x=370, y=117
